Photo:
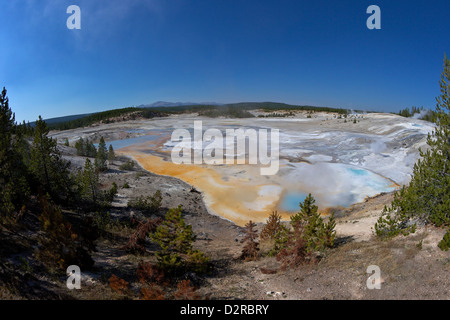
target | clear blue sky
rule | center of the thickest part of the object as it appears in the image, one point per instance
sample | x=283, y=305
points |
x=140, y=51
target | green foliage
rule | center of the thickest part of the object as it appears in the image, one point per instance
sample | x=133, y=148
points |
x=444, y=244
x=88, y=180
x=126, y=185
x=234, y=110
x=149, y=204
x=14, y=174
x=281, y=240
x=103, y=220
x=317, y=234
x=109, y=116
x=66, y=142
x=111, y=154
x=129, y=165
x=109, y=195
x=49, y=169
x=430, y=115
x=175, y=239
x=85, y=148
x=101, y=157
x=427, y=198
x=309, y=234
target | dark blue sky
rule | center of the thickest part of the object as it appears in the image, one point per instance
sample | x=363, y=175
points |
x=140, y=51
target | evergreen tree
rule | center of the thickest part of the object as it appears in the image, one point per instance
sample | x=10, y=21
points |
x=50, y=170
x=79, y=145
x=111, y=154
x=13, y=184
x=175, y=239
x=251, y=247
x=272, y=228
x=317, y=234
x=89, y=182
x=427, y=198
x=101, y=157
x=85, y=148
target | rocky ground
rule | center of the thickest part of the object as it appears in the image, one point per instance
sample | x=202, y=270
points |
x=411, y=267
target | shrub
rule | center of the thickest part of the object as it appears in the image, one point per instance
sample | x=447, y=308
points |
x=185, y=291
x=136, y=243
x=150, y=273
x=111, y=193
x=444, y=244
x=59, y=246
x=152, y=292
x=129, y=165
x=149, y=204
x=118, y=285
x=198, y=262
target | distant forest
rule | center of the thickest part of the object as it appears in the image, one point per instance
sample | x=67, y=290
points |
x=234, y=110
x=425, y=114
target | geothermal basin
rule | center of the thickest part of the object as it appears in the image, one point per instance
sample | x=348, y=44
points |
x=336, y=160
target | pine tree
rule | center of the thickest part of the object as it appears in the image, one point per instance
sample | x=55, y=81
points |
x=41, y=153
x=89, y=182
x=427, y=197
x=85, y=148
x=272, y=228
x=317, y=234
x=251, y=247
x=48, y=167
x=111, y=154
x=80, y=146
x=91, y=151
x=175, y=239
x=101, y=157
x=7, y=188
